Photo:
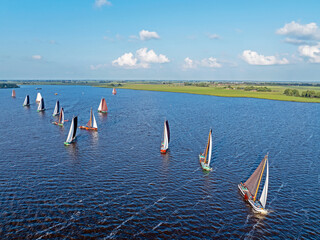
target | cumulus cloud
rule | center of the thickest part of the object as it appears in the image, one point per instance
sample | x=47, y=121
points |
x=312, y=53
x=253, y=58
x=141, y=59
x=210, y=62
x=100, y=3
x=36, y=57
x=126, y=60
x=213, y=36
x=308, y=31
x=146, y=35
x=188, y=63
x=150, y=56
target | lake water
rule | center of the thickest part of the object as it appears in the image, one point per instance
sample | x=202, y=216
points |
x=114, y=183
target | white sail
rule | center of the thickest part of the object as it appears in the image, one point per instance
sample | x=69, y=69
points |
x=100, y=106
x=263, y=198
x=38, y=97
x=165, y=137
x=25, y=101
x=69, y=138
x=40, y=105
x=210, y=149
x=56, y=109
x=94, y=125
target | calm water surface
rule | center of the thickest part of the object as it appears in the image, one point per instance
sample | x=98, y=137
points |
x=116, y=184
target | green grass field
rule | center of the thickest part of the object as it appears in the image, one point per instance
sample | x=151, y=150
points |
x=275, y=94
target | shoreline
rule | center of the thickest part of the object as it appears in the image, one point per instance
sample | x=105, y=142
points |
x=218, y=92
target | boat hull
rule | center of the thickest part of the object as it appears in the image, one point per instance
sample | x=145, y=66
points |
x=88, y=128
x=256, y=206
x=42, y=110
x=26, y=105
x=58, y=124
x=204, y=166
x=102, y=111
x=69, y=143
x=55, y=114
x=163, y=151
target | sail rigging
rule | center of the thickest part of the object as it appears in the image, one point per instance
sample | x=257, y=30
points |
x=209, y=147
x=61, y=117
x=264, y=194
x=94, y=125
x=72, y=131
x=254, y=180
x=38, y=99
x=26, y=101
x=166, y=135
x=41, y=105
x=56, y=109
x=92, y=121
x=103, y=106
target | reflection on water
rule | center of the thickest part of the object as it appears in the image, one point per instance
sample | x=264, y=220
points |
x=94, y=137
x=102, y=117
x=114, y=183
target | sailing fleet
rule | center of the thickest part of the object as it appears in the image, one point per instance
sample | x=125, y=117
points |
x=248, y=189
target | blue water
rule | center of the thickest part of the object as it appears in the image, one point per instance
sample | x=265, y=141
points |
x=114, y=183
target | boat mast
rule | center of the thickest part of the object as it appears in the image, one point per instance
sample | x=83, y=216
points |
x=207, y=148
x=255, y=195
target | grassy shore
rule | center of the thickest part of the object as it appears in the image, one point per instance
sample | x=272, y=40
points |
x=223, y=90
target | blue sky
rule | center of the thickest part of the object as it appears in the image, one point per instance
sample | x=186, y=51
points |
x=160, y=40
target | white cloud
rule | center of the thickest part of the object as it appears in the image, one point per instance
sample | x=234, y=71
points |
x=308, y=31
x=146, y=35
x=36, y=57
x=150, y=56
x=210, y=62
x=213, y=36
x=310, y=52
x=142, y=59
x=188, y=63
x=254, y=58
x=100, y=3
x=126, y=60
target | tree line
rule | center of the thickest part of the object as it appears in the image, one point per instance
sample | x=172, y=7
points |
x=295, y=93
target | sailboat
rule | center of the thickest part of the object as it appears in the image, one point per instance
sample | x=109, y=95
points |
x=41, y=106
x=26, y=101
x=61, y=120
x=38, y=97
x=103, y=106
x=166, y=137
x=114, y=91
x=72, y=132
x=92, y=124
x=205, y=157
x=250, y=188
x=13, y=93
x=56, y=109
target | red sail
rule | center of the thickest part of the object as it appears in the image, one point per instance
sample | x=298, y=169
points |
x=89, y=124
x=13, y=93
x=253, y=181
x=104, y=107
